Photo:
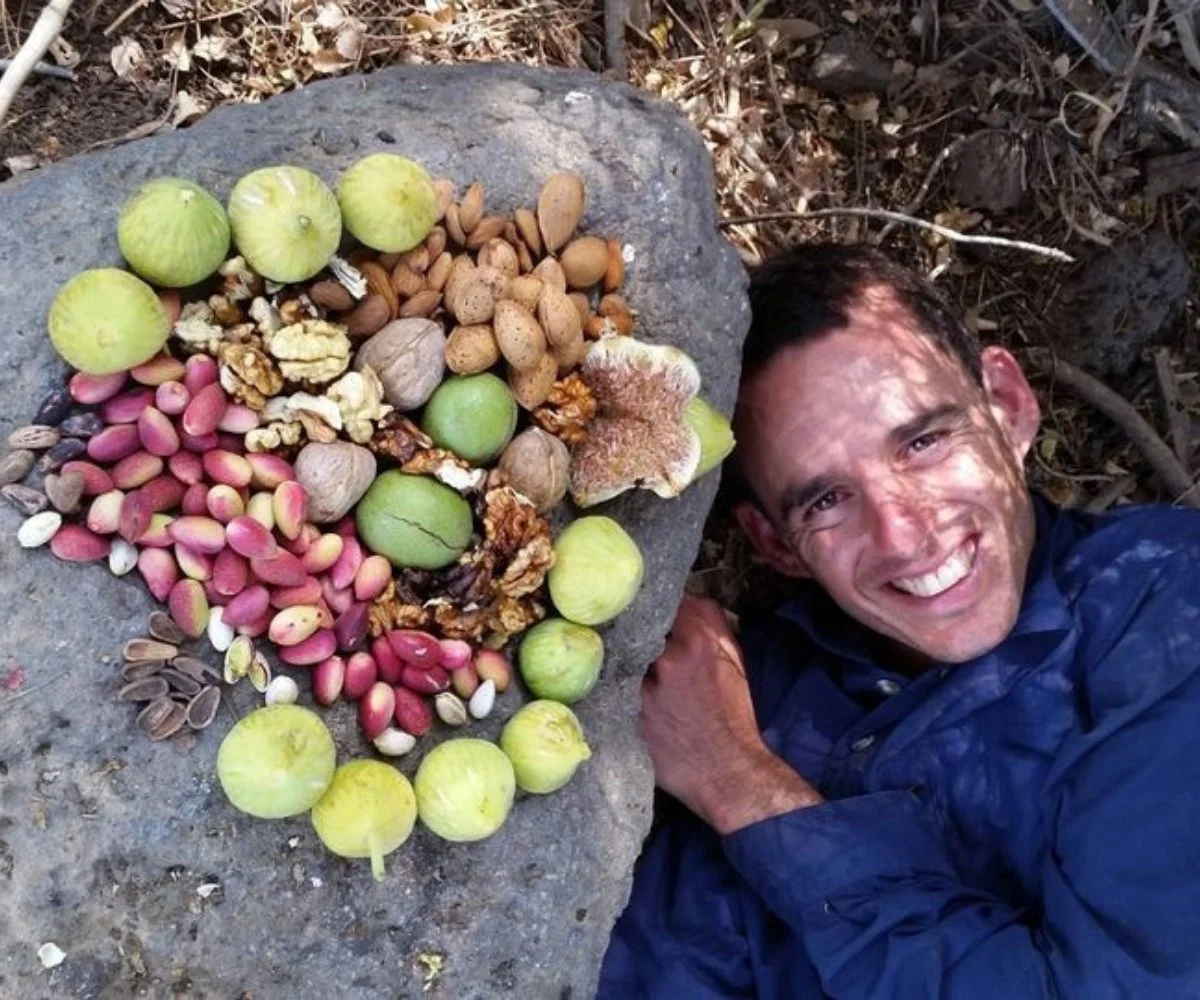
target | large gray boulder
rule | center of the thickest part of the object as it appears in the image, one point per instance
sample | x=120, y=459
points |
x=125, y=853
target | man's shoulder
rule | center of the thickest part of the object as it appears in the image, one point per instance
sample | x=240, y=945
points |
x=1131, y=544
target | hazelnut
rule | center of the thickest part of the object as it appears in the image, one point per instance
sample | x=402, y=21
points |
x=536, y=464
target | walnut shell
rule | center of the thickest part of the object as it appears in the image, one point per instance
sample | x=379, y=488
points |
x=336, y=475
x=408, y=355
x=536, y=465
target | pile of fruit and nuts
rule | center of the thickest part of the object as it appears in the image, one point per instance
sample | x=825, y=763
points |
x=341, y=442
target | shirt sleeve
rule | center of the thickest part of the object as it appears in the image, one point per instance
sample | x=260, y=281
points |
x=681, y=934
x=867, y=886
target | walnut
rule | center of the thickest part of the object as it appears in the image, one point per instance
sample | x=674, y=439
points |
x=316, y=429
x=266, y=317
x=391, y=610
x=311, y=350
x=248, y=374
x=510, y=521
x=359, y=397
x=227, y=312
x=447, y=468
x=511, y=616
x=528, y=568
x=275, y=435
x=399, y=438
x=456, y=623
x=238, y=281
x=568, y=410
x=301, y=404
x=197, y=326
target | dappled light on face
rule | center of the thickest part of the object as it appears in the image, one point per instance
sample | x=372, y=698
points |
x=894, y=479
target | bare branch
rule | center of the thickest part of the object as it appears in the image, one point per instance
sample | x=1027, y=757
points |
x=45, y=30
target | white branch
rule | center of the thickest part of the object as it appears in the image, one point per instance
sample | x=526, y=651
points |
x=45, y=30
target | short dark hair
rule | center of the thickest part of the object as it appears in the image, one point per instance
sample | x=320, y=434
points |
x=807, y=291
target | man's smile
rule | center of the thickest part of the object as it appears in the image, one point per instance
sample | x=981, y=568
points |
x=941, y=578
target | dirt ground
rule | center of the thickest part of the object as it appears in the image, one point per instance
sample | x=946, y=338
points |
x=981, y=116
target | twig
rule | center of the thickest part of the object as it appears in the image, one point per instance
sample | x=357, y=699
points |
x=1181, y=14
x=883, y=213
x=44, y=69
x=1179, y=424
x=923, y=191
x=124, y=16
x=45, y=30
x=1143, y=437
x=1111, y=493
x=1107, y=118
x=615, y=14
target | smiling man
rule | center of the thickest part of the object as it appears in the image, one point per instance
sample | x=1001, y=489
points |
x=966, y=764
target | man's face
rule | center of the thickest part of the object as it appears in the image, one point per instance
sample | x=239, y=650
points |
x=894, y=480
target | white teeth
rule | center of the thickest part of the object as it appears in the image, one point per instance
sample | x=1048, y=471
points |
x=957, y=566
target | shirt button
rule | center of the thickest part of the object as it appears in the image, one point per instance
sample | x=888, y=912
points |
x=887, y=686
x=861, y=744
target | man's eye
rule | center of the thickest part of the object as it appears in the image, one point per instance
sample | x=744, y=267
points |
x=825, y=502
x=925, y=441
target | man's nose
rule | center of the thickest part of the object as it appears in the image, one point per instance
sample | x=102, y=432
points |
x=903, y=522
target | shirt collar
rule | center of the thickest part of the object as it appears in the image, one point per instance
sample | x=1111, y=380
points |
x=1044, y=606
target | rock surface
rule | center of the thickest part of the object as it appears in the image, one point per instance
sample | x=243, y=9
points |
x=1119, y=301
x=124, y=853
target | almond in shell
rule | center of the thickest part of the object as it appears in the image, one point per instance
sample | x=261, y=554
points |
x=551, y=273
x=521, y=340
x=570, y=355
x=470, y=209
x=461, y=268
x=471, y=349
x=560, y=207
x=584, y=261
x=582, y=305
x=527, y=229
x=527, y=290
x=532, y=386
x=499, y=254
x=488, y=228
x=472, y=302
x=439, y=271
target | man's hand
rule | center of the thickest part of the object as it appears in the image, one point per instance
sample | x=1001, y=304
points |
x=698, y=722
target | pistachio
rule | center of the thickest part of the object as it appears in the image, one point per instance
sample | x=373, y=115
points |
x=282, y=691
x=482, y=701
x=144, y=689
x=259, y=673
x=35, y=437
x=450, y=708
x=148, y=649
x=238, y=658
x=15, y=466
x=162, y=626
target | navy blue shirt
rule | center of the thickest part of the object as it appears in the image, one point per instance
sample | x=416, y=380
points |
x=1023, y=825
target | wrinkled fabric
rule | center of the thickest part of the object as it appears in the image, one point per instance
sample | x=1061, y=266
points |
x=1023, y=825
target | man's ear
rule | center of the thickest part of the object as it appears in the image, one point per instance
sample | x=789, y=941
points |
x=1011, y=399
x=768, y=542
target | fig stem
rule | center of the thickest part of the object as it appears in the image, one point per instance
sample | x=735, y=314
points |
x=377, y=868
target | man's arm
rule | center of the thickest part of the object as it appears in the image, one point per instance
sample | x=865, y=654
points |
x=867, y=886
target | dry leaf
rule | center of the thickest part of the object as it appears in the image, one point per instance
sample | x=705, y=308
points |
x=22, y=164
x=187, y=108
x=181, y=9
x=213, y=48
x=177, y=53
x=126, y=56
x=331, y=16
x=863, y=109
x=418, y=22
x=790, y=29
x=64, y=53
x=350, y=40
x=328, y=61
x=1061, y=65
